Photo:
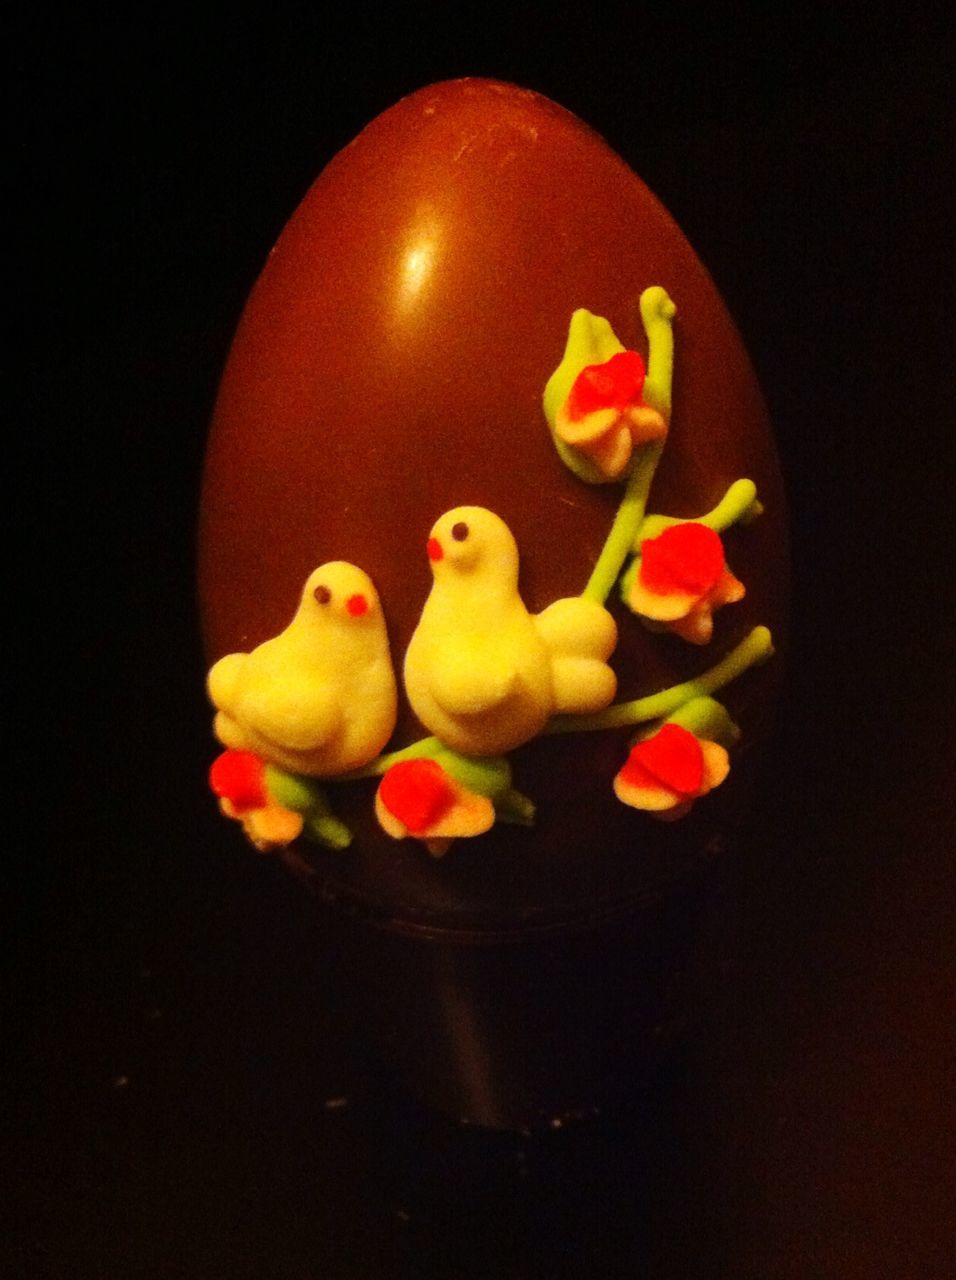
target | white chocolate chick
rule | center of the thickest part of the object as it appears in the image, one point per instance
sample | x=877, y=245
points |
x=320, y=698
x=481, y=672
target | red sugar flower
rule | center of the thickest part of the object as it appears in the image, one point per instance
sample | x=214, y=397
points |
x=418, y=793
x=238, y=780
x=681, y=578
x=420, y=798
x=666, y=773
x=604, y=416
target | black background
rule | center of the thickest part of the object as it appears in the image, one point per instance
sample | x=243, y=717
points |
x=184, y=1096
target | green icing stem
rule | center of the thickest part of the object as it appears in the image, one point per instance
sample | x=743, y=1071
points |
x=754, y=649
x=738, y=505
x=623, y=532
x=657, y=315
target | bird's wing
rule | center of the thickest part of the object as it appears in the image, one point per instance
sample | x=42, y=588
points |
x=582, y=685
x=577, y=626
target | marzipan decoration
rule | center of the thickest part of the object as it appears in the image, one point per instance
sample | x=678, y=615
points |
x=314, y=707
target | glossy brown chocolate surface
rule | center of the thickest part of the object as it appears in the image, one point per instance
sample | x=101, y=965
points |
x=389, y=365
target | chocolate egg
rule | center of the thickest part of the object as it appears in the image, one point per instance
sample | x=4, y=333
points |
x=389, y=366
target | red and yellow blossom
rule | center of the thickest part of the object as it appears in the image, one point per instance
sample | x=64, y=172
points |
x=605, y=417
x=238, y=780
x=419, y=798
x=680, y=578
x=666, y=773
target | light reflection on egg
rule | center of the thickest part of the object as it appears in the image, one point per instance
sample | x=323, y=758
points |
x=416, y=267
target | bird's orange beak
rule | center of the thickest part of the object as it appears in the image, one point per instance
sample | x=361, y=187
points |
x=357, y=605
x=435, y=551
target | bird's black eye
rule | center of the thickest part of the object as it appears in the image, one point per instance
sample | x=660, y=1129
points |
x=322, y=594
x=459, y=531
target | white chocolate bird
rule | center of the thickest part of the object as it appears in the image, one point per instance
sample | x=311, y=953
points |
x=482, y=673
x=320, y=698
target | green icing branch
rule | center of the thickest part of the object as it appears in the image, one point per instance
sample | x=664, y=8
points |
x=757, y=647
x=623, y=532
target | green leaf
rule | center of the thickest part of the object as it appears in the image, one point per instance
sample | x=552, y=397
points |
x=304, y=795
x=485, y=775
x=706, y=718
x=327, y=830
x=295, y=791
x=591, y=340
x=515, y=808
